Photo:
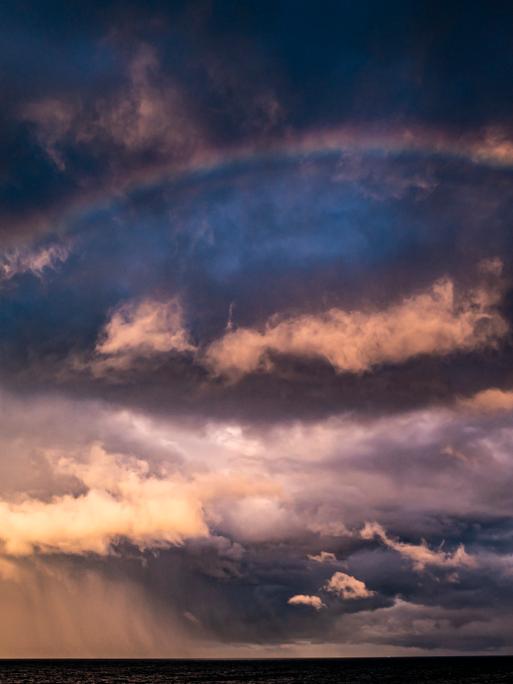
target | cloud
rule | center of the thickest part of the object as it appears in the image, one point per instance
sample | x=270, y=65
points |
x=490, y=400
x=347, y=587
x=260, y=519
x=267, y=487
x=323, y=557
x=304, y=600
x=117, y=498
x=122, y=500
x=415, y=624
x=96, y=142
x=336, y=214
x=17, y=261
x=142, y=329
x=420, y=555
x=435, y=322
x=53, y=119
x=148, y=114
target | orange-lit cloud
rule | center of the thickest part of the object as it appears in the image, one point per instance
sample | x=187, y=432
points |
x=435, y=321
x=420, y=555
x=139, y=329
x=490, y=400
x=305, y=600
x=347, y=587
x=119, y=498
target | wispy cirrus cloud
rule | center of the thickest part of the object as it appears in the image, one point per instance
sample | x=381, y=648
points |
x=36, y=261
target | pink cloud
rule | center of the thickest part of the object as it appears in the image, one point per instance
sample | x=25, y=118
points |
x=304, y=600
x=436, y=321
x=347, y=587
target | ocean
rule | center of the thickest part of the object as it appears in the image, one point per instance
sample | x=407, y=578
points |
x=321, y=671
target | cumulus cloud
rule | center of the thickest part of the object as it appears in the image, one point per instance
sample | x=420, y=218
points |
x=265, y=486
x=305, y=600
x=36, y=261
x=122, y=500
x=118, y=498
x=420, y=554
x=347, y=587
x=260, y=519
x=175, y=494
x=324, y=473
x=142, y=329
x=435, y=321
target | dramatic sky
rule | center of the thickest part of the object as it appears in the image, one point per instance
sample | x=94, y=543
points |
x=256, y=305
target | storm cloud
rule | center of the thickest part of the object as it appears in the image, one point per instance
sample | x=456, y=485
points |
x=255, y=329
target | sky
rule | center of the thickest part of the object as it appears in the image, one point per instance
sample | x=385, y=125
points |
x=256, y=304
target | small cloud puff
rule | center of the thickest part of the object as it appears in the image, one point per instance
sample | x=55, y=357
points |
x=347, y=587
x=142, y=329
x=304, y=600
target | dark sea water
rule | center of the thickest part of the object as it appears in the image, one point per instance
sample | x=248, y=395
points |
x=345, y=671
